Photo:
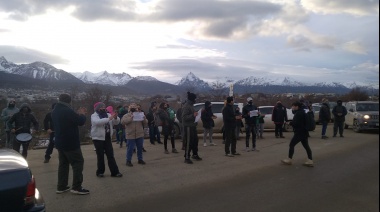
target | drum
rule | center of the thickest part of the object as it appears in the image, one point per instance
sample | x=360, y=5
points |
x=24, y=138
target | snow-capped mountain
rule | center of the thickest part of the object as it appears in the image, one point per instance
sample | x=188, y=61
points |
x=104, y=78
x=37, y=70
x=192, y=81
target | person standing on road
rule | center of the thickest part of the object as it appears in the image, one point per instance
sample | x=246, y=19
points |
x=339, y=111
x=22, y=124
x=154, y=132
x=208, y=117
x=190, y=128
x=239, y=123
x=102, y=124
x=324, y=117
x=66, y=122
x=250, y=123
x=134, y=123
x=179, y=117
x=49, y=127
x=229, y=120
x=167, y=126
x=7, y=114
x=279, y=117
x=300, y=135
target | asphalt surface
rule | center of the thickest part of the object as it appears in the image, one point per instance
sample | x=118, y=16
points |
x=345, y=178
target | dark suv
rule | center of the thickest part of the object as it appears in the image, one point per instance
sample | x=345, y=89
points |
x=18, y=190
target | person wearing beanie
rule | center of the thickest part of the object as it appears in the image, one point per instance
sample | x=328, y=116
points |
x=279, y=117
x=190, y=129
x=250, y=123
x=102, y=123
x=339, y=111
x=229, y=120
x=66, y=122
x=23, y=121
x=134, y=133
x=49, y=128
x=300, y=135
x=7, y=114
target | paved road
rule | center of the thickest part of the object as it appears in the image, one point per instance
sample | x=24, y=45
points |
x=345, y=178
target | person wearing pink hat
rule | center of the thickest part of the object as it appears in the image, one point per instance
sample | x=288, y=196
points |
x=102, y=124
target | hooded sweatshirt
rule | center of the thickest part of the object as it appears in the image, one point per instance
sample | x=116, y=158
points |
x=23, y=121
x=7, y=113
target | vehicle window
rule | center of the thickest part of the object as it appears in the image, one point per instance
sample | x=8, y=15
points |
x=198, y=107
x=316, y=108
x=367, y=107
x=217, y=108
x=266, y=110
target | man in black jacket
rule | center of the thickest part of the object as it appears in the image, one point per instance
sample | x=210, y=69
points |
x=250, y=123
x=66, y=122
x=300, y=135
x=340, y=113
x=49, y=127
x=229, y=120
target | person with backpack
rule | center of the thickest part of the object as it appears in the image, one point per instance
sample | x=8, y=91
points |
x=279, y=117
x=207, y=117
x=324, y=117
x=167, y=120
x=300, y=135
x=339, y=112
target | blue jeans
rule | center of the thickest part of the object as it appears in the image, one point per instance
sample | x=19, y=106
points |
x=324, y=128
x=154, y=133
x=131, y=143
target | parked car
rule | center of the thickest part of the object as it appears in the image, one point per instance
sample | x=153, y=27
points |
x=18, y=190
x=268, y=123
x=362, y=115
x=216, y=109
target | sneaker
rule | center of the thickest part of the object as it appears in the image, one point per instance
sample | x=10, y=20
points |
x=129, y=163
x=121, y=145
x=309, y=163
x=196, y=157
x=236, y=153
x=287, y=161
x=188, y=161
x=204, y=144
x=100, y=175
x=255, y=150
x=262, y=137
x=80, y=191
x=212, y=144
x=166, y=151
x=324, y=137
x=247, y=149
x=59, y=191
x=144, y=150
x=160, y=142
x=229, y=155
x=174, y=151
x=281, y=136
x=341, y=136
x=277, y=136
x=141, y=162
x=46, y=160
x=117, y=175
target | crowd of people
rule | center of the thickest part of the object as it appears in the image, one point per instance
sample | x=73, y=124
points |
x=129, y=124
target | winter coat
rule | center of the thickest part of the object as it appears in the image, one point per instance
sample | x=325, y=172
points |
x=339, y=109
x=98, y=131
x=246, y=110
x=7, y=113
x=299, y=122
x=188, y=117
x=207, y=117
x=324, y=113
x=66, y=122
x=133, y=129
x=279, y=114
x=229, y=118
x=23, y=121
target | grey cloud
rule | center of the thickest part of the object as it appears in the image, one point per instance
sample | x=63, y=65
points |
x=106, y=10
x=363, y=7
x=25, y=55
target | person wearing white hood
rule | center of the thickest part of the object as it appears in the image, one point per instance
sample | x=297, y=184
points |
x=6, y=114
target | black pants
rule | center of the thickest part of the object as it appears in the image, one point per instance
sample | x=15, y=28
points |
x=105, y=147
x=303, y=138
x=230, y=140
x=338, y=125
x=75, y=159
x=50, y=147
x=191, y=140
x=168, y=131
x=278, y=129
x=250, y=128
x=17, y=145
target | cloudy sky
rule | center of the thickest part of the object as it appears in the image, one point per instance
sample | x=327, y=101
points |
x=307, y=40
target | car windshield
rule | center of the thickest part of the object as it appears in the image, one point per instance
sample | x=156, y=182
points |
x=316, y=108
x=367, y=107
x=266, y=110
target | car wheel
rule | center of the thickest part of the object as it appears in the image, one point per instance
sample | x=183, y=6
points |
x=177, y=130
x=356, y=126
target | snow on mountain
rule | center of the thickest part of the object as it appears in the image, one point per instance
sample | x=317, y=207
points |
x=6, y=66
x=104, y=78
x=190, y=80
x=145, y=78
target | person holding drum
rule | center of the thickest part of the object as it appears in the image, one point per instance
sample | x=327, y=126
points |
x=23, y=121
x=102, y=123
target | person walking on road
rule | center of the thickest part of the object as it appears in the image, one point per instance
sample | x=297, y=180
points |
x=229, y=120
x=102, y=123
x=300, y=135
x=66, y=122
x=190, y=129
x=339, y=112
